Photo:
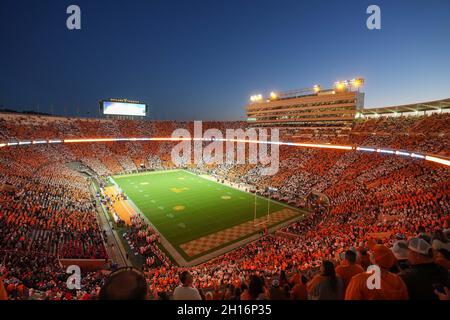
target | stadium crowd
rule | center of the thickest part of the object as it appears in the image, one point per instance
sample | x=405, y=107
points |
x=383, y=210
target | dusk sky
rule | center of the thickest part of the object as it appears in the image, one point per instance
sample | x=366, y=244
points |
x=202, y=59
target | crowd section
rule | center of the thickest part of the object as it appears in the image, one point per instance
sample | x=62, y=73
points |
x=428, y=134
x=380, y=209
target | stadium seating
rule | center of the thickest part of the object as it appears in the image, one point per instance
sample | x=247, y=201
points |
x=47, y=211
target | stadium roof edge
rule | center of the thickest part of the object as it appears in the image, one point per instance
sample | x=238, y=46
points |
x=417, y=106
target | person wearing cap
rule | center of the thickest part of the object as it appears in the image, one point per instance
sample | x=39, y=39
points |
x=442, y=258
x=424, y=274
x=422, y=233
x=348, y=267
x=123, y=284
x=392, y=286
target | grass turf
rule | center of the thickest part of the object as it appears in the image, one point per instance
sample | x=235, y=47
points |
x=185, y=207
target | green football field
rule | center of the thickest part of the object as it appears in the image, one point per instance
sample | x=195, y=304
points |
x=184, y=207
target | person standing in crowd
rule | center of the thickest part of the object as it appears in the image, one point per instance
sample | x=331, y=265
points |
x=326, y=285
x=441, y=249
x=424, y=274
x=348, y=267
x=256, y=288
x=392, y=286
x=299, y=291
x=186, y=291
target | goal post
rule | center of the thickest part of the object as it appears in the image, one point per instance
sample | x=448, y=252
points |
x=267, y=220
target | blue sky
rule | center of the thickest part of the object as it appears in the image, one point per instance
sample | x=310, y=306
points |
x=202, y=59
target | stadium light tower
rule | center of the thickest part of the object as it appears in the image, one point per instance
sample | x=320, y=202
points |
x=339, y=86
x=256, y=98
x=349, y=84
x=273, y=95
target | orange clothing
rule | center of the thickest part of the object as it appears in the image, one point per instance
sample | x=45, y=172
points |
x=3, y=293
x=314, y=282
x=299, y=292
x=392, y=288
x=347, y=271
x=245, y=296
x=295, y=278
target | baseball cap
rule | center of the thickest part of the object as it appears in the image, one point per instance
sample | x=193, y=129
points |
x=383, y=256
x=419, y=245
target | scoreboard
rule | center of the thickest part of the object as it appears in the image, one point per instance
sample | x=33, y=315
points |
x=116, y=107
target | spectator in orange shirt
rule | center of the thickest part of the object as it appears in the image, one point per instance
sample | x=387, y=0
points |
x=299, y=291
x=392, y=286
x=348, y=268
x=3, y=293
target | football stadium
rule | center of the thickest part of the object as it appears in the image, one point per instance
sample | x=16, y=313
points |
x=117, y=203
x=175, y=202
